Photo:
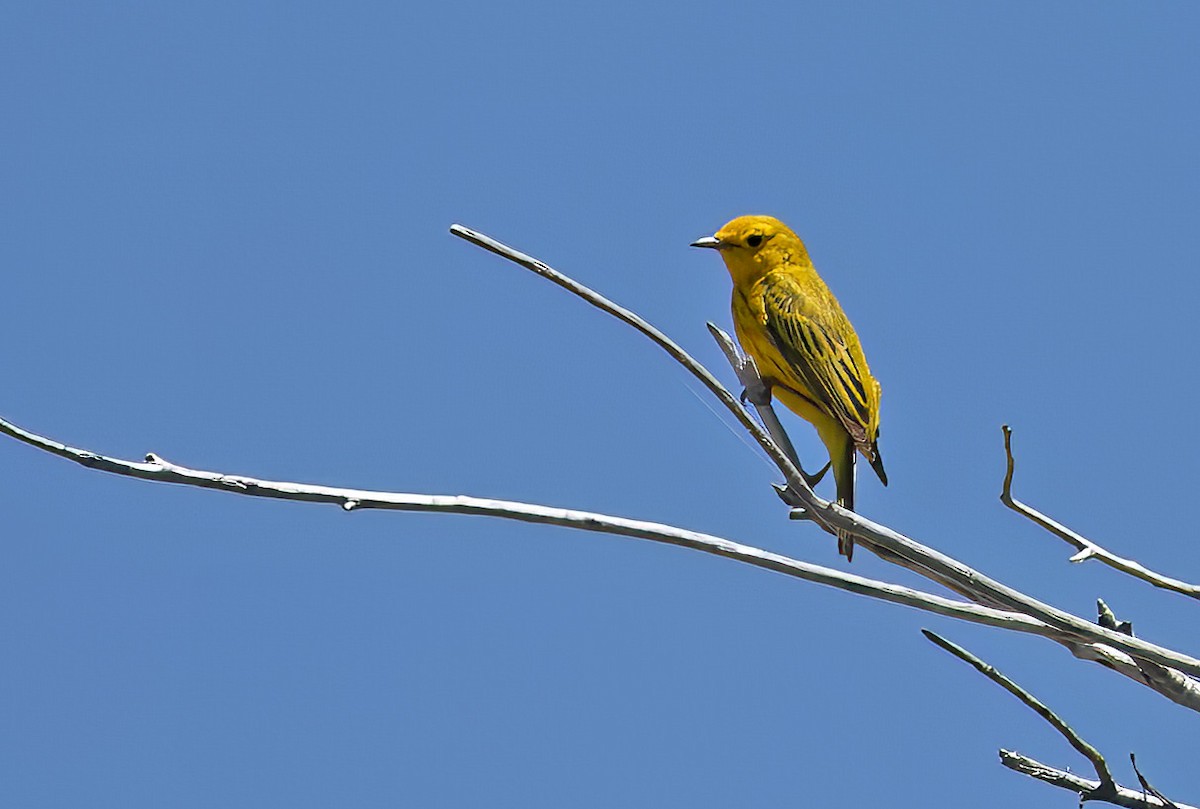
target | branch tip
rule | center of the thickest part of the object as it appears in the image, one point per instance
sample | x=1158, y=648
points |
x=1147, y=787
x=1006, y=488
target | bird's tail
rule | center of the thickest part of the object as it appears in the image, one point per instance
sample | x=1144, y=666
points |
x=876, y=461
x=843, y=476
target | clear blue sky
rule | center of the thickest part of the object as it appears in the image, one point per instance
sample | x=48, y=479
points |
x=225, y=241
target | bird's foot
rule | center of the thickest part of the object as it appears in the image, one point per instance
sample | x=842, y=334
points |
x=757, y=395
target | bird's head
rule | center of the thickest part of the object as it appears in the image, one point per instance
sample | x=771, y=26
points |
x=751, y=245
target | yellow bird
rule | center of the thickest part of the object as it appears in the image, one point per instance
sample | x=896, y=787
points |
x=804, y=346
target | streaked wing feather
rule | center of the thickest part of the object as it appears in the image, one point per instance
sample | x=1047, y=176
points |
x=814, y=351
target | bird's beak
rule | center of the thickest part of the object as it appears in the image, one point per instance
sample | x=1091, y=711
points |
x=708, y=241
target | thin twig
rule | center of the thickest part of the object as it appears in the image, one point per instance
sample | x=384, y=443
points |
x=1087, y=790
x=1033, y=703
x=1087, y=549
x=1146, y=785
x=777, y=455
x=919, y=558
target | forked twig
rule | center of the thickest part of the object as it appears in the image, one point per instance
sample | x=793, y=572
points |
x=1087, y=790
x=1105, y=789
x=1087, y=549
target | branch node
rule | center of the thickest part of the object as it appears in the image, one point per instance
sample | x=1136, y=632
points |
x=1108, y=619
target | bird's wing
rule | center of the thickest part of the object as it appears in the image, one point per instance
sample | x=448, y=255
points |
x=816, y=344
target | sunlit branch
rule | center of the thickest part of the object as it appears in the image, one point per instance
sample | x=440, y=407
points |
x=1087, y=789
x=1087, y=549
x=154, y=468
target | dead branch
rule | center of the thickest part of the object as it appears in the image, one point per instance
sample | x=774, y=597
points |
x=1105, y=789
x=1087, y=549
x=1086, y=789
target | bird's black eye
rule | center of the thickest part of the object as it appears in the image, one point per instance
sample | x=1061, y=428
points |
x=754, y=240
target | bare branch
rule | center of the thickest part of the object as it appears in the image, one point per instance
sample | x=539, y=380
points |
x=1171, y=683
x=157, y=469
x=1037, y=706
x=1106, y=789
x=1182, y=689
x=920, y=558
x=1087, y=549
x=777, y=455
x=1086, y=789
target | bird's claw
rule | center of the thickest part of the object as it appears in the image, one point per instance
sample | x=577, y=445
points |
x=757, y=395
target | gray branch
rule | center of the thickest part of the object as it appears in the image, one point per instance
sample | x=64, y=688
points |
x=1105, y=789
x=1087, y=790
x=1170, y=683
x=1087, y=549
x=1179, y=687
x=154, y=468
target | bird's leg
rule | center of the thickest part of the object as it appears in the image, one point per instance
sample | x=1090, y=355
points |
x=790, y=497
x=757, y=391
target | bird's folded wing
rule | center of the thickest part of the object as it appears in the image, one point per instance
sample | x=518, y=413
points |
x=813, y=343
